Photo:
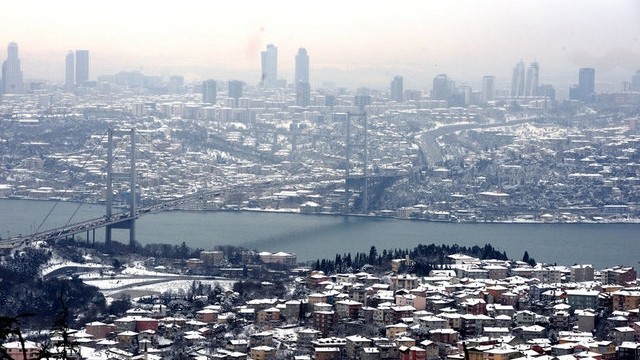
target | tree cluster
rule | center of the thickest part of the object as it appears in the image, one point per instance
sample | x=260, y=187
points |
x=424, y=258
x=23, y=291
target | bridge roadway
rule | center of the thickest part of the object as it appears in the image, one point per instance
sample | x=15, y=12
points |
x=92, y=224
x=122, y=218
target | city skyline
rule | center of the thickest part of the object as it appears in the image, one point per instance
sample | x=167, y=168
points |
x=352, y=46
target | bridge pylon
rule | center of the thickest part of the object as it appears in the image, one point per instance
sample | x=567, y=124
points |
x=129, y=175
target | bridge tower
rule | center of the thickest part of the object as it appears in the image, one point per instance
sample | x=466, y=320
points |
x=361, y=115
x=129, y=175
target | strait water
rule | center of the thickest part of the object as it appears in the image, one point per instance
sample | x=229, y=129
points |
x=322, y=236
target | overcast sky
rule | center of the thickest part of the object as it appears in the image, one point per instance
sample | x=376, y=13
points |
x=348, y=41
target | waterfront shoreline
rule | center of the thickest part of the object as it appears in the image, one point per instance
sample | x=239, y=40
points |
x=297, y=211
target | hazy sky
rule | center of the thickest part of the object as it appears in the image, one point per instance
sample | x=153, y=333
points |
x=349, y=42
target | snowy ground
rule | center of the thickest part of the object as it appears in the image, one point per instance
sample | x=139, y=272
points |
x=53, y=266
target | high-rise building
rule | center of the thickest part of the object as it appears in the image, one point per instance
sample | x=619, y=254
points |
x=585, y=91
x=531, y=84
x=303, y=94
x=176, y=84
x=82, y=66
x=11, y=72
x=397, y=89
x=302, y=66
x=441, y=88
x=209, y=91
x=517, y=80
x=635, y=81
x=548, y=91
x=269, y=59
x=69, y=71
x=488, y=88
x=235, y=89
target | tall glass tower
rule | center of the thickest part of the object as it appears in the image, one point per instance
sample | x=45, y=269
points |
x=82, y=66
x=302, y=66
x=269, y=59
x=11, y=72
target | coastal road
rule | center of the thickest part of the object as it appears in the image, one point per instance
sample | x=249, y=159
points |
x=428, y=140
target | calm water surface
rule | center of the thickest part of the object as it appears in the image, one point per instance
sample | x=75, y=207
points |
x=317, y=236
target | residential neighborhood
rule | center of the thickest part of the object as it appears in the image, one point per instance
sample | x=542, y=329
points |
x=468, y=308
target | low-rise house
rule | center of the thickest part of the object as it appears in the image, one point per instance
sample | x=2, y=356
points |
x=16, y=351
x=582, y=299
x=263, y=353
x=622, y=334
x=355, y=345
x=99, y=330
x=412, y=353
x=432, y=349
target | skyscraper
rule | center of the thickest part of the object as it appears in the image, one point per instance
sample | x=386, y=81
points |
x=441, y=88
x=488, y=88
x=302, y=66
x=82, y=66
x=11, y=72
x=303, y=94
x=397, y=89
x=531, y=84
x=69, y=73
x=176, y=84
x=269, y=59
x=235, y=89
x=585, y=91
x=209, y=91
x=517, y=80
x=587, y=84
x=635, y=81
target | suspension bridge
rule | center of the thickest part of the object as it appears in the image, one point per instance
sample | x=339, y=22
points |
x=127, y=219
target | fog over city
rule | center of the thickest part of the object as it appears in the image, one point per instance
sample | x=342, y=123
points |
x=320, y=180
x=351, y=43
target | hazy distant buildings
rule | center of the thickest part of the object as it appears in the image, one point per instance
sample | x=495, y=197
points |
x=547, y=91
x=531, y=83
x=303, y=93
x=518, y=80
x=82, y=66
x=302, y=66
x=585, y=91
x=69, y=70
x=209, y=91
x=11, y=72
x=397, y=89
x=441, y=88
x=235, y=90
x=488, y=88
x=635, y=81
x=269, y=61
x=176, y=84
